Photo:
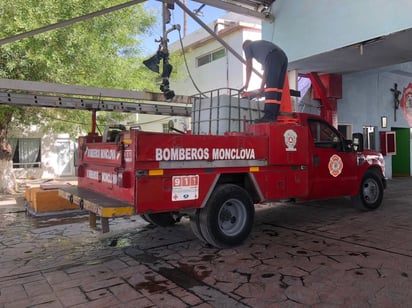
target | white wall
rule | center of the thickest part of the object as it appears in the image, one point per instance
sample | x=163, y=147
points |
x=56, y=161
x=307, y=27
x=155, y=123
x=227, y=72
x=367, y=97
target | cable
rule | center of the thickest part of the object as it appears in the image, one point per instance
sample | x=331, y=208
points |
x=187, y=67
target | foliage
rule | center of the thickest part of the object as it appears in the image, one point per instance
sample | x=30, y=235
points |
x=102, y=52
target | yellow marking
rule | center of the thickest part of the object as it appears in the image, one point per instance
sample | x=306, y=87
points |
x=108, y=211
x=254, y=169
x=127, y=141
x=156, y=172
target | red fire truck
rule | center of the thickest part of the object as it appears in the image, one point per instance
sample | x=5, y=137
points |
x=216, y=180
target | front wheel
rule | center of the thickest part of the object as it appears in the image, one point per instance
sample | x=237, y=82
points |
x=227, y=218
x=370, y=193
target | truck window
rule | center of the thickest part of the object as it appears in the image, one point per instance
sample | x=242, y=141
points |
x=323, y=135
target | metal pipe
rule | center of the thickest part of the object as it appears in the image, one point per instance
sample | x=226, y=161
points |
x=165, y=20
x=94, y=121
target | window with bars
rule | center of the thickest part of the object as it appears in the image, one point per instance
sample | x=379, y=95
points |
x=212, y=56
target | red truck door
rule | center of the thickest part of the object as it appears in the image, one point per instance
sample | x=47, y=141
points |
x=333, y=165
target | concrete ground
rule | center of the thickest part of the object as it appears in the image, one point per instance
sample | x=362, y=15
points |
x=316, y=254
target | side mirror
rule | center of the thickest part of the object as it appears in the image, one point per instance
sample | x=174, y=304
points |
x=357, y=141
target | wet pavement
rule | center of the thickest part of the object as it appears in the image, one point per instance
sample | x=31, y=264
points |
x=314, y=254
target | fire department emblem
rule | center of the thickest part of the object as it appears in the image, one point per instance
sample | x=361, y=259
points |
x=335, y=165
x=406, y=103
x=290, y=140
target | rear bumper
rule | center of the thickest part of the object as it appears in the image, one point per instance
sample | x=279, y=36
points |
x=96, y=203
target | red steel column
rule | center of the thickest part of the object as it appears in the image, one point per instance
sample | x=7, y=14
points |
x=327, y=89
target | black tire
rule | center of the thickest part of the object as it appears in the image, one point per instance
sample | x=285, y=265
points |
x=227, y=218
x=160, y=219
x=144, y=217
x=370, y=193
x=195, y=225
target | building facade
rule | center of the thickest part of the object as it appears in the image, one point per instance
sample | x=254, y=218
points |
x=210, y=65
x=37, y=154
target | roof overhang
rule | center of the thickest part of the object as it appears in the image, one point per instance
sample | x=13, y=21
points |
x=391, y=49
x=260, y=9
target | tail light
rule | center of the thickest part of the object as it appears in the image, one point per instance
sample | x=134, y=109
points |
x=81, y=171
x=125, y=179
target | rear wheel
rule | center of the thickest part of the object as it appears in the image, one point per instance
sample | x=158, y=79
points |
x=195, y=225
x=143, y=216
x=370, y=193
x=227, y=218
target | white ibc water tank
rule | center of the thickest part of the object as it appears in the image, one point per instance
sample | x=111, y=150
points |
x=216, y=113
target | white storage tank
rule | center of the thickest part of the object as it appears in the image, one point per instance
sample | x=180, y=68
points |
x=223, y=110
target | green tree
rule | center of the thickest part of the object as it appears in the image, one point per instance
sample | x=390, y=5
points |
x=102, y=51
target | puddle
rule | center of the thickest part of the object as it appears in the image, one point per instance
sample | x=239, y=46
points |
x=44, y=222
x=19, y=218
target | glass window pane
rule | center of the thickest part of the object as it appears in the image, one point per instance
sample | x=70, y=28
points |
x=27, y=153
x=218, y=54
x=203, y=60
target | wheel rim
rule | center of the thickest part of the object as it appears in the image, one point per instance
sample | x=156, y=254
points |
x=232, y=217
x=370, y=191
